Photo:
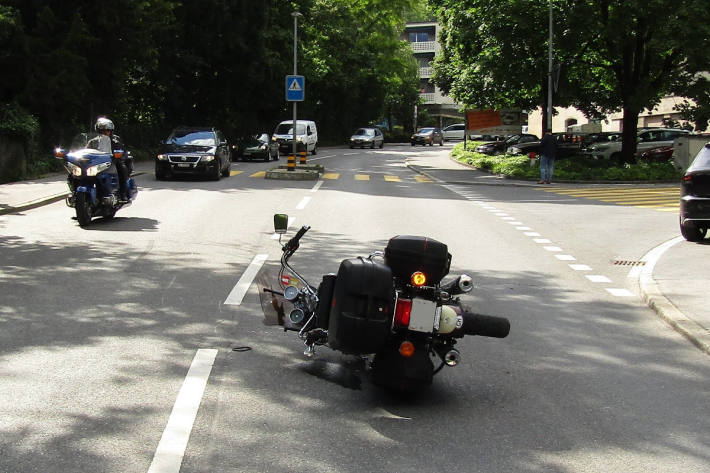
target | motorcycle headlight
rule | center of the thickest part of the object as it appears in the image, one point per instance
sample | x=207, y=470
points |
x=94, y=170
x=207, y=158
x=74, y=169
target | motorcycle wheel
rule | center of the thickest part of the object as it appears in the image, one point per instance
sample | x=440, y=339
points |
x=83, y=209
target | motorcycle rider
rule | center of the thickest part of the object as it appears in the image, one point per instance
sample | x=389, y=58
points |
x=105, y=127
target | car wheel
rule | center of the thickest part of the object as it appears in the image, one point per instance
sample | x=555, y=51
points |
x=372, y=145
x=382, y=144
x=691, y=232
x=314, y=150
x=441, y=143
x=412, y=143
x=351, y=146
x=228, y=169
x=431, y=143
x=216, y=172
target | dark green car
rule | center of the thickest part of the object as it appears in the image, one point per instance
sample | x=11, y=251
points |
x=257, y=146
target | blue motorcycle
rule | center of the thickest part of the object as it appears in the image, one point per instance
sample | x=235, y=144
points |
x=93, y=178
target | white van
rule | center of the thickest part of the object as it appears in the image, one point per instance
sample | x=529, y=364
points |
x=306, y=136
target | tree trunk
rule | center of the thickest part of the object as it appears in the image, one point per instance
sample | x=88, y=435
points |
x=630, y=130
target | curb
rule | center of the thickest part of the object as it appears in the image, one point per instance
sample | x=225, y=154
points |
x=654, y=298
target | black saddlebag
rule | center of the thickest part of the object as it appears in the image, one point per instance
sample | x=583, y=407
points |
x=361, y=314
x=406, y=254
x=325, y=300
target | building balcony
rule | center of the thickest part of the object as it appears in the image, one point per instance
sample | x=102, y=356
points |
x=425, y=72
x=425, y=47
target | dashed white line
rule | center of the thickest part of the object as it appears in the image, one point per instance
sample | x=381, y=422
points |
x=598, y=278
x=553, y=248
x=565, y=257
x=619, y=292
x=580, y=267
x=236, y=296
x=171, y=448
x=531, y=234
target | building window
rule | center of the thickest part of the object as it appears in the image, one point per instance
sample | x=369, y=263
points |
x=418, y=37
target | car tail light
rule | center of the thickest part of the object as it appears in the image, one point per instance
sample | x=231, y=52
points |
x=402, y=312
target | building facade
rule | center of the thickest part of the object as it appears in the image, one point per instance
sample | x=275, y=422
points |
x=423, y=37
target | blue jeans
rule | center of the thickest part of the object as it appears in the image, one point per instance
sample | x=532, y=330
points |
x=547, y=165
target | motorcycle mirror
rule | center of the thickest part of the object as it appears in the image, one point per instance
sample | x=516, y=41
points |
x=280, y=223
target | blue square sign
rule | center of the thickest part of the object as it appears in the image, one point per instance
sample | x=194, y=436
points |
x=295, y=88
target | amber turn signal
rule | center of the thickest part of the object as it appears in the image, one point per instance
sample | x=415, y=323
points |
x=406, y=349
x=418, y=279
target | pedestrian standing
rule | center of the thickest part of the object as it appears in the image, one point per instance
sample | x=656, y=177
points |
x=547, y=157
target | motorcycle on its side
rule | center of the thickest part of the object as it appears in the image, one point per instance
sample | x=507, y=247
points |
x=93, y=179
x=390, y=307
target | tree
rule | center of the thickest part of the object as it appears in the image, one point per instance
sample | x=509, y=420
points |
x=613, y=54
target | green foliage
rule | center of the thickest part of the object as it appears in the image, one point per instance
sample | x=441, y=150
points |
x=575, y=168
x=16, y=123
x=613, y=56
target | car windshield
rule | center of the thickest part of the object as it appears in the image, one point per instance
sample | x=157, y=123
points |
x=193, y=138
x=513, y=139
x=287, y=129
x=702, y=160
x=426, y=131
x=365, y=132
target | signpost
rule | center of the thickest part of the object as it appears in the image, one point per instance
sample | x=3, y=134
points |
x=295, y=88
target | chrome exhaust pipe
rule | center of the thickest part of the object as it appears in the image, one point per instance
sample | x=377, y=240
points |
x=452, y=357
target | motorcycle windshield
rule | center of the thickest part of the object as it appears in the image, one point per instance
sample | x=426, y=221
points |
x=276, y=309
x=91, y=141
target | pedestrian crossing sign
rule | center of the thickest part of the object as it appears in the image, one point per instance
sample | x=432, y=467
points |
x=295, y=88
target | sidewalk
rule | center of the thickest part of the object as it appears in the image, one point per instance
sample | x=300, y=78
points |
x=673, y=282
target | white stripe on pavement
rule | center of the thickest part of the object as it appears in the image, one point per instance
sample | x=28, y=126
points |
x=237, y=295
x=172, y=445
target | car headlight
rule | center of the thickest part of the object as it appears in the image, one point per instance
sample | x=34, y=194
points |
x=264, y=146
x=207, y=158
x=94, y=170
x=599, y=147
x=513, y=150
x=162, y=157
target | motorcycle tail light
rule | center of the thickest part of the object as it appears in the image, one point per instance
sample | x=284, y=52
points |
x=402, y=312
x=406, y=349
x=418, y=279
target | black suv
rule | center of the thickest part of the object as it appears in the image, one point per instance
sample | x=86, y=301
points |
x=193, y=150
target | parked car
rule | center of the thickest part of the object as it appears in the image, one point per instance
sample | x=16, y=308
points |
x=695, y=197
x=499, y=147
x=649, y=138
x=428, y=136
x=258, y=146
x=568, y=144
x=193, y=150
x=370, y=137
x=454, y=132
x=306, y=136
x=601, y=137
x=657, y=155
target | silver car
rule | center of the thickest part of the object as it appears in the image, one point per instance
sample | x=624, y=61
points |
x=367, y=137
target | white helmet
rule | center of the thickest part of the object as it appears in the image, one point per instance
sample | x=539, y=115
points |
x=103, y=123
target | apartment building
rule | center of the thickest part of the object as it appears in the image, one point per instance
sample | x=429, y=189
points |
x=423, y=36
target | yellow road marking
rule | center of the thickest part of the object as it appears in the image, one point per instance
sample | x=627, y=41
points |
x=362, y=177
x=392, y=179
x=420, y=178
x=259, y=174
x=234, y=173
x=331, y=175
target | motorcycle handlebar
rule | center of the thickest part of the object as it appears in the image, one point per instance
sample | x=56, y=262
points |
x=292, y=244
x=484, y=325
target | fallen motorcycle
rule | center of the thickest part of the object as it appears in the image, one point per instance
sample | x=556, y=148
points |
x=390, y=307
x=93, y=179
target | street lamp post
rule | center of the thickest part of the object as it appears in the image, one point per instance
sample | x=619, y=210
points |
x=548, y=125
x=295, y=16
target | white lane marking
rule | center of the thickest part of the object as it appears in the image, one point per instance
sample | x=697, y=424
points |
x=515, y=222
x=580, y=267
x=237, y=295
x=598, y=278
x=350, y=154
x=531, y=234
x=171, y=448
x=565, y=257
x=275, y=236
x=522, y=228
x=553, y=248
x=542, y=240
x=619, y=292
x=317, y=186
x=302, y=205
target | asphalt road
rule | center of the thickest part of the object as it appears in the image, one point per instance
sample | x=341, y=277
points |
x=100, y=327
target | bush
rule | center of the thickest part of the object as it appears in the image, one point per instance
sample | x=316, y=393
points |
x=575, y=168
